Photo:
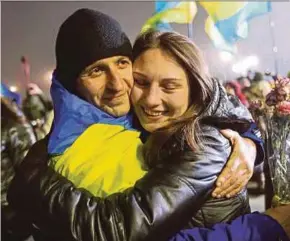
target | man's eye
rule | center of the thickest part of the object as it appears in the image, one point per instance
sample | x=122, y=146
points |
x=123, y=63
x=97, y=71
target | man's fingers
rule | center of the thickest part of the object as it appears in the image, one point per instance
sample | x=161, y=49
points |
x=233, y=162
x=237, y=190
x=236, y=185
x=235, y=177
x=229, y=169
x=216, y=192
x=234, y=182
x=222, y=189
x=225, y=174
x=236, y=173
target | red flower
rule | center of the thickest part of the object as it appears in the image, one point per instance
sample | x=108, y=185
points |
x=284, y=108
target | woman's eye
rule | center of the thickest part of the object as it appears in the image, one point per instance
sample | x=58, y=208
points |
x=140, y=82
x=170, y=87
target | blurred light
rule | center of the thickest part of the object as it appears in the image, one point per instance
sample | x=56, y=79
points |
x=244, y=65
x=275, y=49
x=48, y=75
x=272, y=24
x=235, y=69
x=13, y=88
x=226, y=56
x=238, y=68
x=252, y=61
x=33, y=123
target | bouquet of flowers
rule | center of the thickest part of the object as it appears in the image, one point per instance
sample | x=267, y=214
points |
x=273, y=117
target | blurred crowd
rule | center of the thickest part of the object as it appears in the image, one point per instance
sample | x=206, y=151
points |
x=254, y=87
x=251, y=88
x=22, y=124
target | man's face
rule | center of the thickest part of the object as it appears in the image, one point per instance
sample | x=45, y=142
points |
x=107, y=84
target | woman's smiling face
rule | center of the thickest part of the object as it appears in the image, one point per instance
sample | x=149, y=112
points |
x=161, y=90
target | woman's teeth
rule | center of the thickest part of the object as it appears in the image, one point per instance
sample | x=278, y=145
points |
x=153, y=113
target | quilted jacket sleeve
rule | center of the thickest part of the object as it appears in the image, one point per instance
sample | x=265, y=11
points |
x=159, y=204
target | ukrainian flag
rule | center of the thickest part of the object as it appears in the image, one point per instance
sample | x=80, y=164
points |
x=170, y=12
x=228, y=21
x=5, y=92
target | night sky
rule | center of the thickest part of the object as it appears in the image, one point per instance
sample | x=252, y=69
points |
x=30, y=29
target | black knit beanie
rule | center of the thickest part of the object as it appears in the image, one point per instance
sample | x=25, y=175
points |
x=85, y=37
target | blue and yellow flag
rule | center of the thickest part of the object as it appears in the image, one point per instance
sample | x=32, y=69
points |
x=170, y=12
x=228, y=21
x=93, y=149
x=104, y=159
x=5, y=92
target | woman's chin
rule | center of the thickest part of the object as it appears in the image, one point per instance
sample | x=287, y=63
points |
x=152, y=127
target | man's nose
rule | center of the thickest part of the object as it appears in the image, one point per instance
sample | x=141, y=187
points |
x=116, y=82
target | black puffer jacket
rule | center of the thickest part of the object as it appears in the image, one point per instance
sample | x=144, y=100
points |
x=160, y=204
x=16, y=139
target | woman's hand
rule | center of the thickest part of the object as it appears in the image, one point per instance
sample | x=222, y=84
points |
x=239, y=168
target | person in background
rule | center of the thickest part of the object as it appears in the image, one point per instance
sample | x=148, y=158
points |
x=259, y=88
x=38, y=110
x=16, y=138
x=244, y=82
x=269, y=76
x=235, y=88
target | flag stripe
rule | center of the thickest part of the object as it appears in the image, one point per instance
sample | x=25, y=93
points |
x=228, y=22
x=171, y=12
x=222, y=10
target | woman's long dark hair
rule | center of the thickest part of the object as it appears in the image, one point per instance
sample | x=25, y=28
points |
x=185, y=52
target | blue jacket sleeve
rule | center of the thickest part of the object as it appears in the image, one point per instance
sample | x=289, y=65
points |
x=254, y=134
x=249, y=227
